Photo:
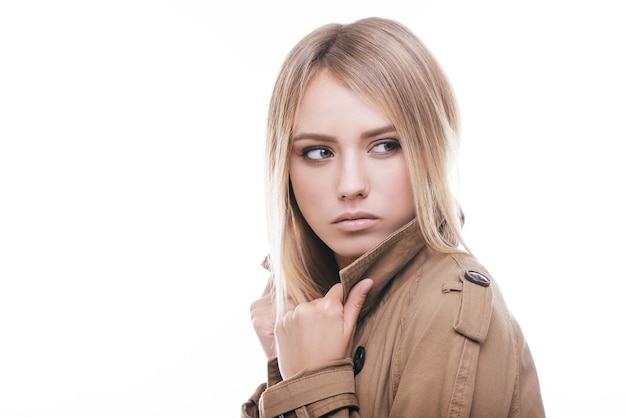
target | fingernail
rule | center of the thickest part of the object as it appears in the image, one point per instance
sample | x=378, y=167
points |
x=366, y=286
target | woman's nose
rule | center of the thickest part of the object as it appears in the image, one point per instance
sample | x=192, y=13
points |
x=352, y=182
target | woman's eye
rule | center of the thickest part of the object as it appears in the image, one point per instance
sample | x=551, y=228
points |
x=385, y=147
x=317, y=153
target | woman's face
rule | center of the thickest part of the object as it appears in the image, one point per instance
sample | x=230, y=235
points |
x=347, y=170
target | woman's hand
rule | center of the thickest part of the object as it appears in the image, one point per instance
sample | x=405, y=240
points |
x=263, y=316
x=319, y=331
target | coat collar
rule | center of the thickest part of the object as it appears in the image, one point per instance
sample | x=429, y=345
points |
x=383, y=262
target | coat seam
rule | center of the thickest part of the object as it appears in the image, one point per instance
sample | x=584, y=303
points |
x=462, y=381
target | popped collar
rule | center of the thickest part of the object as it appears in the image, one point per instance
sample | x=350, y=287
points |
x=382, y=263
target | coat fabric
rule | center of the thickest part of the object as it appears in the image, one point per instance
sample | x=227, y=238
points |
x=434, y=339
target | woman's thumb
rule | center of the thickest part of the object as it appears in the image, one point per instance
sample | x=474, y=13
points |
x=354, y=303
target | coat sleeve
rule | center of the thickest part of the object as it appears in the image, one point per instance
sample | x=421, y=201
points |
x=505, y=369
x=327, y=391
x=250, y=409
x=527, y=399
x=479, y=367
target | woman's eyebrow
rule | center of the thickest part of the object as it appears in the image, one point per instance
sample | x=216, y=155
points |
x=327, y=138
x=317, y=137
x=378, y=131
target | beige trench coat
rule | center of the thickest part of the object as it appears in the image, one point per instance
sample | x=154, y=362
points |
x=434, y=339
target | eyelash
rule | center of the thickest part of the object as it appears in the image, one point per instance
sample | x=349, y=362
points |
x=386, y=142
x=394, y=143
x=306, y=151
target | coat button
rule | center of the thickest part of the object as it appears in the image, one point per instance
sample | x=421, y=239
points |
x=359, y=359
x=477, y=278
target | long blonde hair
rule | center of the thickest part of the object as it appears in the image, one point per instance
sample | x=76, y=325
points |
x=384, y=62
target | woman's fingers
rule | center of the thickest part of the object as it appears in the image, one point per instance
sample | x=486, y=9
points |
x=354, y=302
x=319, y=331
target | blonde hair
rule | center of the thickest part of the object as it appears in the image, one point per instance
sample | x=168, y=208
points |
x=387, y=64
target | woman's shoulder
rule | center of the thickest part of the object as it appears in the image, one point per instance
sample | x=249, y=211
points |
x=458, y=290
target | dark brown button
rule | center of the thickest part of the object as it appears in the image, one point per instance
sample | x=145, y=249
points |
x=477, y=278
x=359, y=359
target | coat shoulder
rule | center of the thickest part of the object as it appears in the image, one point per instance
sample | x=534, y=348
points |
x=461, y=286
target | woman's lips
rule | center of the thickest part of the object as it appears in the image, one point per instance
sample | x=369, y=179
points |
x=354, y=222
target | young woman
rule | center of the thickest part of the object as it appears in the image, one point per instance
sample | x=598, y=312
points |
x=375, y=307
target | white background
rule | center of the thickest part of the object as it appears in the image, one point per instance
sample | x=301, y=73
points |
x=131, y=208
